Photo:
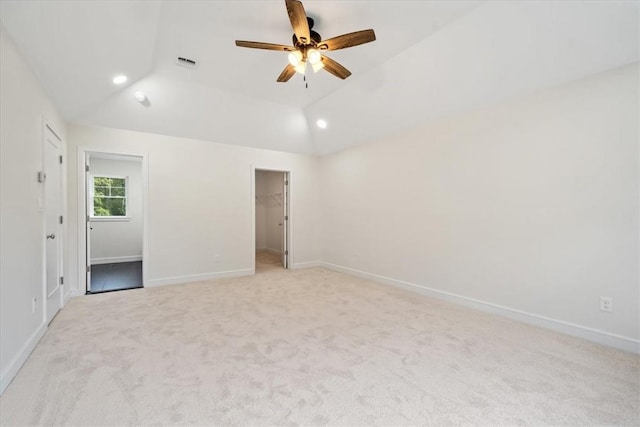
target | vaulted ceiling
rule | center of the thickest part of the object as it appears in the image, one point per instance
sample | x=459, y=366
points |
x=430, y=59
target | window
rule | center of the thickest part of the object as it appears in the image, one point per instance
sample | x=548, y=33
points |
x=109, y=197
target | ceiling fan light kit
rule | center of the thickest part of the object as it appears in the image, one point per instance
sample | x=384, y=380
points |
x=299, y=58
x=295, y=58
x=301, y=67
x=317, y=66
x=314, y=56
x=308, y=45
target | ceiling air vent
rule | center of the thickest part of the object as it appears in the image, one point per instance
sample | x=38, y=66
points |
x=186, y=62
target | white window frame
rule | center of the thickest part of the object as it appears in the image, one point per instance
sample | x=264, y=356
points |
x=92, y=215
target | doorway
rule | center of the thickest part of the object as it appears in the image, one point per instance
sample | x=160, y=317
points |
x=115, y=222
x=272, y=220
x=53, y=209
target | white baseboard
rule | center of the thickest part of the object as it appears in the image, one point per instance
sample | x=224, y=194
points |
x=273, y=251
x=23, y=354
x=590, y=334
x=113, y=260
x=261, y=250
x=309, y=264
x=76, y=293
x=197, y=277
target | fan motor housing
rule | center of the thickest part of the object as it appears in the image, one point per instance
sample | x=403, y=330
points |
x=315, y=37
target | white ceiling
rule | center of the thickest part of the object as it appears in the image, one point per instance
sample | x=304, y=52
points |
x=431, y=58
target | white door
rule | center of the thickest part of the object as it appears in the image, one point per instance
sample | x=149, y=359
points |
x=53, y=218
x=285, y=220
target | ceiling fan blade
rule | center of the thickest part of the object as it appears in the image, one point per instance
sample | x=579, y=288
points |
x=286, y=74
x=348, y=40
x=267, y=46
x=298, y=19
x=335, y=68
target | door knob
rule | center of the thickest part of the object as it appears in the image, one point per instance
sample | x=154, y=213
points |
x=51, y=236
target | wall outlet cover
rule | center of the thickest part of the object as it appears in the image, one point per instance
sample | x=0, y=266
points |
x=606, y=304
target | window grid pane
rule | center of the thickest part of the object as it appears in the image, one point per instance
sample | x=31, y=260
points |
x=109, y=197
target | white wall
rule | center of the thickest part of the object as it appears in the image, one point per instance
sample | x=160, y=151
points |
x=269, y=211
x=23, y=107
x=119, y=240
x=274, y=211
x=200, y=203
x=531, y=205
x=261, y=210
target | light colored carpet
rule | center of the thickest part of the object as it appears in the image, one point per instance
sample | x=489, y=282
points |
x=267, y=261
x=311, y=347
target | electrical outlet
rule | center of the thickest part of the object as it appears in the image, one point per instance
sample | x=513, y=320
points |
x=606, y=304
x=33, y=305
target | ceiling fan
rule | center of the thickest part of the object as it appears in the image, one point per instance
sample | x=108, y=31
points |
x=308, y=45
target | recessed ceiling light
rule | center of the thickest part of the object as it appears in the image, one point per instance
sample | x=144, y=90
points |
x=322, y=124
x=119, y=79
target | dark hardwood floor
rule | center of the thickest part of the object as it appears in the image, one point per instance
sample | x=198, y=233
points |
x=116, y=277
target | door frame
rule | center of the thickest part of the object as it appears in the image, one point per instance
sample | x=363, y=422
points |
x=284, y=256
x=289, y=223
x=61, y=236
x=82, y=154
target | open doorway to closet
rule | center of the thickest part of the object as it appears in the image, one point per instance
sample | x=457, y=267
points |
x=272, y=220
x=114, y=212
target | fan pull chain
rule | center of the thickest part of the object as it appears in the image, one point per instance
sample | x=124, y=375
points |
x=306, y=84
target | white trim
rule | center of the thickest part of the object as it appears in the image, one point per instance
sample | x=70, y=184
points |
x=109, y=218
x=81, y=182
x=53, y=129
x=23, y=354
x=309, y=264
x=67, y=296
x=116, y=259
x=252, y=208
x=198, y=277
x=584, y=332
x=76, y=293
x=273, y=251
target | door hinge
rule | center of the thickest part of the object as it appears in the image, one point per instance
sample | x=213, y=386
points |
x=87, y=218
x=88, y=268
x=62, y=280
x=86, y=168
x=286, y=252
x=61, y=219
x=286, y=183
x=286, y=217
x=60, y=157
